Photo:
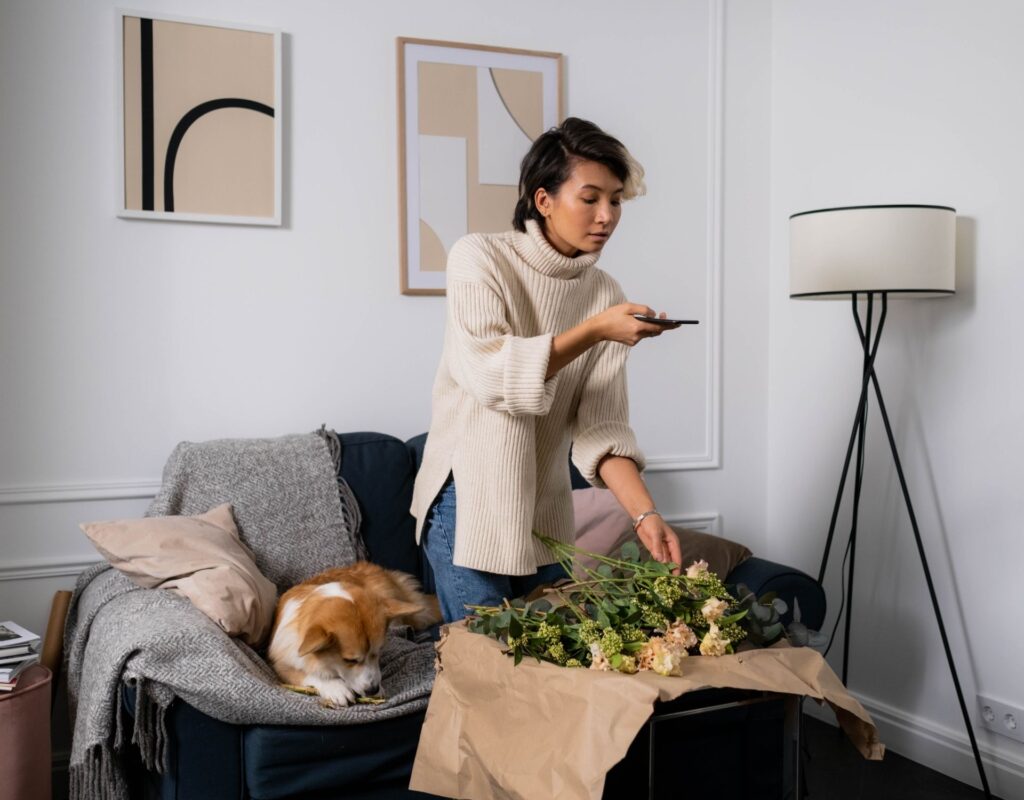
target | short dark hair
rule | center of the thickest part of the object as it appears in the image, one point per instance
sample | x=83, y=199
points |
x=551, y=159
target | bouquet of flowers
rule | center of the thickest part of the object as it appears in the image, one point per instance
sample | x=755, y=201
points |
x=630, y=614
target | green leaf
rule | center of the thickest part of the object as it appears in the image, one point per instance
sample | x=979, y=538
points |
x=539, y=606
x=604, y=570
x=731, y=619
x=517, y=656
x=630, y=552
x=515, y=627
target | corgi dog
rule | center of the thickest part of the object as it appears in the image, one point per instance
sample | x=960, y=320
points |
x=329, y=630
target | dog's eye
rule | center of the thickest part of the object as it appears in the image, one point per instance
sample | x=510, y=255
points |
x=352, y=661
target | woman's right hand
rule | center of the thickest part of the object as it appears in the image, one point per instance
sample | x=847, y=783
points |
x=617, y=324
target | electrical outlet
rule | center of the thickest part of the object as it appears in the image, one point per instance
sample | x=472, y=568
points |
x=1002, y=718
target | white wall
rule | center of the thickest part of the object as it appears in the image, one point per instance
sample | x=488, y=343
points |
x=119, y=338
x=910, y=102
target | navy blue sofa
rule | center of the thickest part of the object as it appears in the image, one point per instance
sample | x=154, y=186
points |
x=213, y=760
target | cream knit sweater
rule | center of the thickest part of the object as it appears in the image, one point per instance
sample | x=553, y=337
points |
x=497, y=424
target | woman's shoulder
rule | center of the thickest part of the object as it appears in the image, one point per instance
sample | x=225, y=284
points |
x=478, y=254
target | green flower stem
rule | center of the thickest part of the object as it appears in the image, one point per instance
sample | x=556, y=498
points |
x=561, y=549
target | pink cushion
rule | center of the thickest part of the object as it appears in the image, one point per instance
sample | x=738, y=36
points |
x=600, y=522
x=603, y=526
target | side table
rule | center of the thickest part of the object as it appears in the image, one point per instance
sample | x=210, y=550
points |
x=25, y=721
x=730, y=744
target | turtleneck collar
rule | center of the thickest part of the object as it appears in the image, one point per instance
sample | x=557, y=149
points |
x=537, y=251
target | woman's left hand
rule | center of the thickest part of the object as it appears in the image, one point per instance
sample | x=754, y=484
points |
x=658, y=537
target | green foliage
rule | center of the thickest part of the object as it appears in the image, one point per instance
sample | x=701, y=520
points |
x=615, y=608
x=763, y=621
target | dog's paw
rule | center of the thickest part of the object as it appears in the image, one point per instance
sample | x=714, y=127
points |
x=336, y=693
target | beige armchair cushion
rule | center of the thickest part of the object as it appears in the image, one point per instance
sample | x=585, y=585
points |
x=201, y=558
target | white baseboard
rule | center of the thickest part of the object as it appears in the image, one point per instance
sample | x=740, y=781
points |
x=938, y=747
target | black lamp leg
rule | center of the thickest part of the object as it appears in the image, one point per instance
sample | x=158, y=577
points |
x=858, y=476
x=931, y=586
x=857, y=436
x=858, y=418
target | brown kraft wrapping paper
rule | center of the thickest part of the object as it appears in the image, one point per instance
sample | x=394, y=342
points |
x=496, y=731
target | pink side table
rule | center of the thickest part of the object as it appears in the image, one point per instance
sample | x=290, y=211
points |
x=25, y=722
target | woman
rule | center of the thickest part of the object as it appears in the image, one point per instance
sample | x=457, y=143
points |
x=534, y=360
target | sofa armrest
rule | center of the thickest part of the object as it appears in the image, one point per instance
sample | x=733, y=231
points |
x=761, y=576
x=204, y=757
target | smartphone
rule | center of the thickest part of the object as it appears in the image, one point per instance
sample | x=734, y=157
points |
x=665, y=321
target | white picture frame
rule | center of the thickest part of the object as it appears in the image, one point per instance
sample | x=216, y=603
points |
x=467, y=113
x=218, y=82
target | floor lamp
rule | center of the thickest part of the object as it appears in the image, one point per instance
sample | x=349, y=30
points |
x=864, y=252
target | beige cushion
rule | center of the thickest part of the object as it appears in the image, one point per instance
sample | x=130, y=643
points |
x=201, y=558
x=603, y=526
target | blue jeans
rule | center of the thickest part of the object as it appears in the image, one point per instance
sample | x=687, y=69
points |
x=458, y=587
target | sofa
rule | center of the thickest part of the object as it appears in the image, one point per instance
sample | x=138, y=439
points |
x=209, y=759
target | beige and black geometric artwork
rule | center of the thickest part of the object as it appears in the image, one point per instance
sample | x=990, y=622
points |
x=201, y=128
x=470, y=115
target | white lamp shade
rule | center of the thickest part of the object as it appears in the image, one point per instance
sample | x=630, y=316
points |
x=905, y=249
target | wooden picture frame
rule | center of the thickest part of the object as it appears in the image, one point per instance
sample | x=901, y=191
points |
x=199, y=122
x=467, y=114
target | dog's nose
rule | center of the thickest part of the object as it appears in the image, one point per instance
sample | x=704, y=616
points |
x=372, y=691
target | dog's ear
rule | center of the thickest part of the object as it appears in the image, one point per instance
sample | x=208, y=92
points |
x=315, y=640
x=394, y=609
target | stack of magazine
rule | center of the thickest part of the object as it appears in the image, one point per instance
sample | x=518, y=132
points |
x=18, y=651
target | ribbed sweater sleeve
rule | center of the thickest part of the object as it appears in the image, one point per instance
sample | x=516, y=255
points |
x=601, y=426
x=500, y=371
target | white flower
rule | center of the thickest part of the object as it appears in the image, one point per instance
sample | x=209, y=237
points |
x=696, y=569
x=597, y=658
x=663, y=657
x=668, y=659
x=714, y=644
x=713, y=609
x=679, y=633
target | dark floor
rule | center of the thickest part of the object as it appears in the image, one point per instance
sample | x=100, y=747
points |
x=835, y=771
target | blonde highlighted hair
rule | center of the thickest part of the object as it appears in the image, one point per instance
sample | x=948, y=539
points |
x=550, y=161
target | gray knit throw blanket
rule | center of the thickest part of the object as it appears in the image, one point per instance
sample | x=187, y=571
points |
x=286, y=502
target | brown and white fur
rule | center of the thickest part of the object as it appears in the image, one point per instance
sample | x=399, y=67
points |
x=329, y=630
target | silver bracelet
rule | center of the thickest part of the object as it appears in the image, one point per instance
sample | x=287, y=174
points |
x=641, y=517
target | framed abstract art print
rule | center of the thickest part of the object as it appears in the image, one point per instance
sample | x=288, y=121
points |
x=467, y=114
x=200, y=121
